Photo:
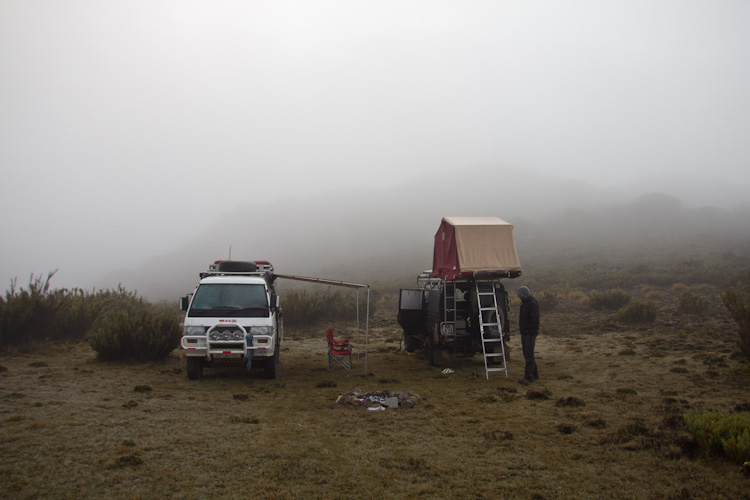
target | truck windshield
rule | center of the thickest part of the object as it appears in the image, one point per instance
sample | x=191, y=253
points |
x=230, y=300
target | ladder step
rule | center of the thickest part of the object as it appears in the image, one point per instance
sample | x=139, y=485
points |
x=487, y=341
x=493, y=355
x=496, y=369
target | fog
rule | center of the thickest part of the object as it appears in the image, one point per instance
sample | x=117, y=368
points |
x=141, y=140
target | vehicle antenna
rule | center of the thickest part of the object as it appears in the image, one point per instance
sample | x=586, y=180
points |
x=230, y=252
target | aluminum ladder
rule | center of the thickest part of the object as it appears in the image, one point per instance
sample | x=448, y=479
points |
x=450, y=302
x=490, y=328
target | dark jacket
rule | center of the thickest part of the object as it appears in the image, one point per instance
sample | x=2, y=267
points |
x=528, y=317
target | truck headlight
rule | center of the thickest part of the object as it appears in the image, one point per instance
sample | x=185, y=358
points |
x=260, y=330
x=195, y=330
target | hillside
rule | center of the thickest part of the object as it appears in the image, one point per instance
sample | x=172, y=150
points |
x=383, y=240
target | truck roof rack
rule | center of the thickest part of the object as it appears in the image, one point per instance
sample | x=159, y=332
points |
x=261, y=268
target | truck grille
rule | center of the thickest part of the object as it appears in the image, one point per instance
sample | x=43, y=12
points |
x=226, y=346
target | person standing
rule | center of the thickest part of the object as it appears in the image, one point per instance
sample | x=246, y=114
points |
x=528, y=325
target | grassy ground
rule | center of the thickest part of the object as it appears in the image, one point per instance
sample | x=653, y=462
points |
x=602, y=422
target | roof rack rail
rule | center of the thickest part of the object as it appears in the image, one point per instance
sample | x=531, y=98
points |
x=261, y=268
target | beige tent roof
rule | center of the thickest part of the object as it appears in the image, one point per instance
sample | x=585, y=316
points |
x=484, y=244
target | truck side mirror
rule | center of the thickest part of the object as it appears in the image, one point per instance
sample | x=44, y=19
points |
x=274, y=301
x=184, y=303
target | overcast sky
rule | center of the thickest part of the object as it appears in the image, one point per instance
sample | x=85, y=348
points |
x=125, y=126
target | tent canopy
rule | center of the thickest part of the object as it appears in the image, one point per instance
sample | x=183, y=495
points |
x=469, y=246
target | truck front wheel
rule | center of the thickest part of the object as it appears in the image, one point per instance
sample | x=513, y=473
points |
x=194, y=367
x=271, y=367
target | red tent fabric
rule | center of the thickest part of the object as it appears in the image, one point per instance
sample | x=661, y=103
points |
x=475, y=246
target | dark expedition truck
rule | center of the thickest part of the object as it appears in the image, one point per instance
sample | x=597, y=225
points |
x=460, y=306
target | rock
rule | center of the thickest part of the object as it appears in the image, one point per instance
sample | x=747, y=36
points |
x=391, y=402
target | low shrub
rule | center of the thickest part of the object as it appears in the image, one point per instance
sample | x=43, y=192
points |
x=693, y=304
x=679, y=288
x=610, y=299
x=37, y=314
x=547, y=301
x=721, y=433
x=646, y=289
x=737, y=301
x=29, y=315
x=577, y=295
x=136, y=331
x=636, y=312
x=308, y=309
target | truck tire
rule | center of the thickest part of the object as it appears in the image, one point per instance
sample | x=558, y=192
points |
x=271, y=367
x=410, y=342
x=429, y=350
x=194, y=367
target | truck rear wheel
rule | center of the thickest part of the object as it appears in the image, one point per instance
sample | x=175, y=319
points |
x=429, y=350
x=410, y=342
x=194, y=367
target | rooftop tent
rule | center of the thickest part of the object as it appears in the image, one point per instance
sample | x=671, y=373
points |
x=465, y=246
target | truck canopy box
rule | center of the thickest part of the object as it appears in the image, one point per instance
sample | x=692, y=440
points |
x=475, y=246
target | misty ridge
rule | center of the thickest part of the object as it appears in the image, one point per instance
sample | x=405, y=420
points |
x=384, y=237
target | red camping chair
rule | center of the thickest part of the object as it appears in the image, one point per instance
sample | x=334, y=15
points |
x=339, y=352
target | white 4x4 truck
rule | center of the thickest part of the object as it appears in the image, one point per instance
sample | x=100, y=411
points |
x=233, y=317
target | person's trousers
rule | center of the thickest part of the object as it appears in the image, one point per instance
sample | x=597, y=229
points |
x=527, y=343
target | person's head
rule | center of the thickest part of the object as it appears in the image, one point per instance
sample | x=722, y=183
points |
x=523, y=293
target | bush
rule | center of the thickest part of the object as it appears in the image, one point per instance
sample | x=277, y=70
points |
x=693, y=304
x=547, y=301
x=611, y=299
x=721, y=433
x=679, y=287
x=27, y=316
x=136, y=331
x=308, y=309
x=38, y=314
x=737, y=301
x=637, y=312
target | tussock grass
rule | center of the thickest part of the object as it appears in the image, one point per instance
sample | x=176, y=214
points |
x=548, y=301
x=570, y=401
x=693, y=304
x=679, y=288
x=637, y=312
x=646, y=289
x=577, y=295
x=737, y=301
x=610, y=299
